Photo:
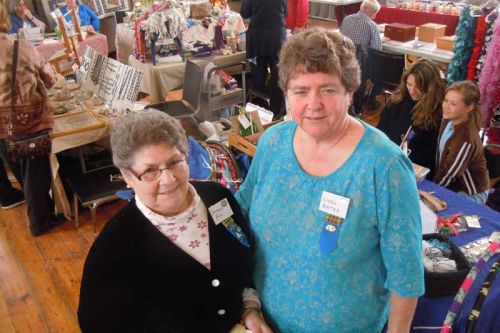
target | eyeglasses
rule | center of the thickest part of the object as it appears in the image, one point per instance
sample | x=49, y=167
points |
x=153, y=174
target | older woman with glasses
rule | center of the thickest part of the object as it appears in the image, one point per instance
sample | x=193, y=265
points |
x=177, y=258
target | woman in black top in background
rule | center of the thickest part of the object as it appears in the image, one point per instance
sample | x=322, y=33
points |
x=417, y=103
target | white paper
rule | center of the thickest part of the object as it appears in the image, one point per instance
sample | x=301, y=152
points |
x=334, y=204
x=244, y=121
x=429, y=219
x=265, y=115
x=220, y=211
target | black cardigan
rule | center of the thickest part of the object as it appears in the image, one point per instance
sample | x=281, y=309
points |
x=136, y=280
x=395, y=119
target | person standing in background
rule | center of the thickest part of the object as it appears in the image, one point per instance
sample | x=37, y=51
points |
x=298, y=11
x=264, y=37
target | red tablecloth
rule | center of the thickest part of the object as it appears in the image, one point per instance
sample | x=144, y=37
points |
x=98, y=42
x=415, y=17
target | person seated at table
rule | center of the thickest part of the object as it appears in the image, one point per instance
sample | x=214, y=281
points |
x=461, y=165
x=414, y=112
x=21, y=17
x=363, y=32
x=85, y=14
x=177, y=258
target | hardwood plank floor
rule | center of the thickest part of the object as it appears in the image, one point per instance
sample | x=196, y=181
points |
x=40, y=276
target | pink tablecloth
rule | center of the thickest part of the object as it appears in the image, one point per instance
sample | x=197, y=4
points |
x=98, y=42
x=415, y=17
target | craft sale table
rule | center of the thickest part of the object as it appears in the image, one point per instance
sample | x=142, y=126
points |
x=74, y=130
x=431, y=312
x=162, y=78
x=419, y=49
x=417, y=18
x=97, y=41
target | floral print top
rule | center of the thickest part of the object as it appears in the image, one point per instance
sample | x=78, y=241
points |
x=314, y=278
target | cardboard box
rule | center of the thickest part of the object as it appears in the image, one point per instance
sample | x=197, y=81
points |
x=445, y=43
x=400, y=32
x=429, y=32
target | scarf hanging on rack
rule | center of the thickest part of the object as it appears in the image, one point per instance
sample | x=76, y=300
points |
x=489, y=81
x=464, y=43
x=490, y=23
x=478, y=45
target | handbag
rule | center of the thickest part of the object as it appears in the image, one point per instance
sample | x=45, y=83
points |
x=25, y=146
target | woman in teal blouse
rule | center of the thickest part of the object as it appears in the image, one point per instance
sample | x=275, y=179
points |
x=333, y=204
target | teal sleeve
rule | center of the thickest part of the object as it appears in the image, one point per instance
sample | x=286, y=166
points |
x=400, y=228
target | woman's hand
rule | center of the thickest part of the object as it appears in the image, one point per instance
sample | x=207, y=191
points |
x=254, y=321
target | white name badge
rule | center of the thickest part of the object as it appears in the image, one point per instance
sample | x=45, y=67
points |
x=334, y=204
x=220, y=211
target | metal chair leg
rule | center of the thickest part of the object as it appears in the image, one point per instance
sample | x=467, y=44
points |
x=93, y=209
x=75, y=209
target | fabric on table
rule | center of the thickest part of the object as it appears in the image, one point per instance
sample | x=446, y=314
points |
x=305, y=291
x=415, y=17
x=432, y=311
x=98, y=42
x=464, y=43
x=478, y=45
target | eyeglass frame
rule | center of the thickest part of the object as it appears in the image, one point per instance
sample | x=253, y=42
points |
x=170, y=164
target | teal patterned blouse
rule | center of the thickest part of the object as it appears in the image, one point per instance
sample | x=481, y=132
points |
x=314, y=280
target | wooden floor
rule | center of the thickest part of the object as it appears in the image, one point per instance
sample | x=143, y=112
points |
x=40, y=277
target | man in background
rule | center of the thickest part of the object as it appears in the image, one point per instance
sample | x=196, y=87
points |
x=362, y=30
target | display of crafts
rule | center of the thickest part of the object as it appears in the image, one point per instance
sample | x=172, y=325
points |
x=443, y=7
x=190, y=29
x=67, y=96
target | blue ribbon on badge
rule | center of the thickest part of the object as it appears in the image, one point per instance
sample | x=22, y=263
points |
x=328, y=238
x=236, y=231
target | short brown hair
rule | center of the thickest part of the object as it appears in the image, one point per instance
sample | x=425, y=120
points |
x=4, y=17
x=319, y=50
x=139, y=129
x=470, y=96
x=427, y=112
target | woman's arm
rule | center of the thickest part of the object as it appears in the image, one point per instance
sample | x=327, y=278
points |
x=34, y=19
x=401, y=313
x=246, y=9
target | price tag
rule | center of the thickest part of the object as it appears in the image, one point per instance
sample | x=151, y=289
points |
x=244, y=121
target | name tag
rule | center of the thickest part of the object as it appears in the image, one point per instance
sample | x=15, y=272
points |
x=334, y=204
x=221, y=211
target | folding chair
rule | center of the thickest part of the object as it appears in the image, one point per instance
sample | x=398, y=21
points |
x=191, y=94
x=66, y=61
x=385, y=70
x=94, y=188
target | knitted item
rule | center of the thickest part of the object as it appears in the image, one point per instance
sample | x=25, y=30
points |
x=489, y=81
x=478, y=45
x=490, y=23
x=466, y=285
x=464, y=43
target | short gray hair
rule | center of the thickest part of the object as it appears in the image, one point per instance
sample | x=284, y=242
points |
x=140, y=129
x=370, y=6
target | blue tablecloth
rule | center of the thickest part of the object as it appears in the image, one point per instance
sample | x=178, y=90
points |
x=431, y=312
